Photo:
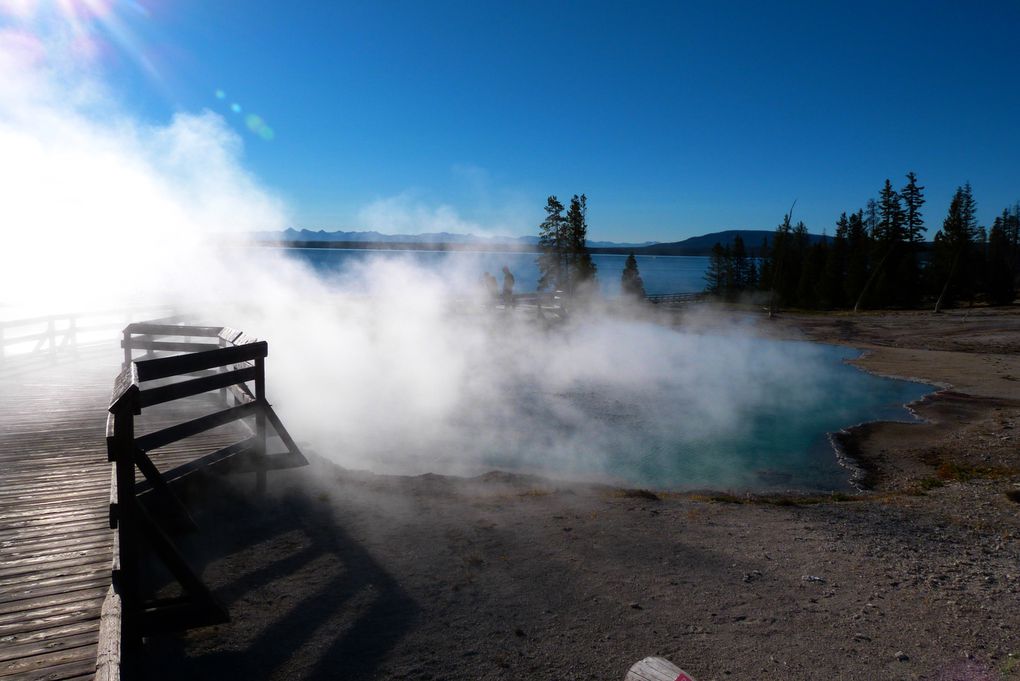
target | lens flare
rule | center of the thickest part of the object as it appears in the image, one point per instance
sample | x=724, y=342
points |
x=259, y=127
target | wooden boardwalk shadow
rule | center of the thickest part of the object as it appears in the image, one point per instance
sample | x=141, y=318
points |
x=250, y=552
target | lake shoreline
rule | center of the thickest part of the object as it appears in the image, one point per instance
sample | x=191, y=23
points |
x=507, y=576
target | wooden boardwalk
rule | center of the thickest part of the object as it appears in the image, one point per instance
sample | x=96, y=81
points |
x=55, y=539
x=56, y=545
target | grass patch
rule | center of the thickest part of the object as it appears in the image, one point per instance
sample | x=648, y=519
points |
x=926, y=484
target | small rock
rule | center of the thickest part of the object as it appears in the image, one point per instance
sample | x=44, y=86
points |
x=902, y=656
x=636, y=606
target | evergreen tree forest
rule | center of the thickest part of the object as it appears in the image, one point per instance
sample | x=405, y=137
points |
x=880, y=256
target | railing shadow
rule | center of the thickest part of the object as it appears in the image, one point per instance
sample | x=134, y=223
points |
x=350, y=614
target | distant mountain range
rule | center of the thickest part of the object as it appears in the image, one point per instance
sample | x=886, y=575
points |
x=695, y=245
x=702, y=245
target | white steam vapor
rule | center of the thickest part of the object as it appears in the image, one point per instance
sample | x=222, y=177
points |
x=100, y=208
x=381, y=366
x=494, y=211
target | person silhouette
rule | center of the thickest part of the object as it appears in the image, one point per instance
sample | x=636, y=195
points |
x=491, y=289
x=508, y=288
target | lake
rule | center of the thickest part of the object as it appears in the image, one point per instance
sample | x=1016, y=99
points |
x=661, y=273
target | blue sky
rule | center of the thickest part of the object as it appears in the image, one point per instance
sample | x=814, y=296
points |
x=676, y=118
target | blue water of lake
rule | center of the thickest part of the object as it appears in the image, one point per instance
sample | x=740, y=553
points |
x=661, y=273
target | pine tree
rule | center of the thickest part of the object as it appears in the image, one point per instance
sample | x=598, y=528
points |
x=913, y=198
x=835, y=267
x=889, y=238
x=793, y=271
x=553, y=246
x=781, y=243
x=765, y=266
x=953, y=248
x=631, y=283
x=812, y=274
x=891, y=217
x=784, y=265
x=739, y=265
x=580, y=265
x=1000, y=282
x=871, y=217
x=908, y=274
x=886, y=230
x=858, y=250
x=717, y=272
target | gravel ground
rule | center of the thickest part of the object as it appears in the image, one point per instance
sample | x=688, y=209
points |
x=348, y=575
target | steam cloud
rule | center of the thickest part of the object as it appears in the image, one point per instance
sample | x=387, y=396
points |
x=380, y=366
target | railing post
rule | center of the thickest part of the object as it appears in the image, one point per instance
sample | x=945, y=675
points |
x=72, y=332
x=260, y=425
x=127, y=346
x=51, y=329
x=224, y=393
x=127, y=514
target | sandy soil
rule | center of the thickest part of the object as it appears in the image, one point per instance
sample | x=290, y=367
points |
x=345, y=575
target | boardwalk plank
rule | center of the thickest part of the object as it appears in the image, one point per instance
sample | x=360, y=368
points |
x=50, y=645
x=83, y=667
x=55, y=542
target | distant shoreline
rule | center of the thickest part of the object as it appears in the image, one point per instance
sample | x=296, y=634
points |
x=475, y=247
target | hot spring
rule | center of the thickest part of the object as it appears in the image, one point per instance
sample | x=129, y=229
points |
x=411, y=388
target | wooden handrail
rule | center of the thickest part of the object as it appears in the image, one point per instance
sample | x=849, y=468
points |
x=59, y=332
x=195, y=386
x=166, y=436
x=164, y=367
x=228, y=365
x=150, y=329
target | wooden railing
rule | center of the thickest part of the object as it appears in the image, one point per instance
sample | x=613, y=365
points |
x=209, y=359
x=49, y=335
